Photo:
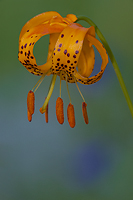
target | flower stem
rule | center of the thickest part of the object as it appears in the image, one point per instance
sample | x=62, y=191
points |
x=113, y=60
x=49, y=93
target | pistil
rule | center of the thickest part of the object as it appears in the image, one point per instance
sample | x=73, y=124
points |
x=49, y=93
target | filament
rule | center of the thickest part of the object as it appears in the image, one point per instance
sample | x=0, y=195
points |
x=68, y=89
x=79, y=89
x=60, y=84
x=34, y=89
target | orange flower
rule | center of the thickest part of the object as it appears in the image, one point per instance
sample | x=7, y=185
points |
x=70, y=54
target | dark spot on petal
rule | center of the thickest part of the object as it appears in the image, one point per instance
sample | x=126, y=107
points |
x=28, y=53
x=77, y=41
x=30, y=44
x=57, y=64
x=65, y=66
x=27, y=30
x=21, y=47
x=58, y=49
x=75, y=61
x=68, y=61
x=25, y=45
x=60, y=45
x=74, y=56
x=68, y=54
x=58, y=59
x=71, y=35
x=32, y=57
x=65, y=51
x=76, y=51
x=21, y=52
x=62, y=35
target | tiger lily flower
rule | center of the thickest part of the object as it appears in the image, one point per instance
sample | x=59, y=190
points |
x=70, y=56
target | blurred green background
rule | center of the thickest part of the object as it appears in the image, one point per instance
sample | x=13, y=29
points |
x=52, y=161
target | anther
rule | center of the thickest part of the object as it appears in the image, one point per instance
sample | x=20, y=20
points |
x=84, y=111
x=46, y=114
x=71, y=115
x=31, y=102
x=59, y=110
x=29, y=116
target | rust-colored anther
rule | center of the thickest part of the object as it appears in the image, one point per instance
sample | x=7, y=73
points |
x=29, y=116
x=46, y=114
x=31, y=102
x=84, y=111
x=71, y=115
x=59, y=110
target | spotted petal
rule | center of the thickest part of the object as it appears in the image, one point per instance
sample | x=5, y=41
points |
x=43, y=24
x=67, y=50
x=104, y=57
x=87, y=57
x=37, y=20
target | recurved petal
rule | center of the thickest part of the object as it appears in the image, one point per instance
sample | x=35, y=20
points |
x=52, y=41
x=27, y=42
x=71, y=18
x=68, y=47
x=104, y=57
x=86, y=60
x=39, y=19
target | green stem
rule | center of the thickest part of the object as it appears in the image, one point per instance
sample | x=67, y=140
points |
x=49, y=93
x=113, y=60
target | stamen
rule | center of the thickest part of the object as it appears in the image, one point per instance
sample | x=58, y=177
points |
x=68, y=89
x=60, y=84
x=46, y=114
x=31, y=102
x=71, y=115
x=84, y=111
x=39, y=82
x=29, y=116
x=59, y=110
x=49, y=93
x=78, y=89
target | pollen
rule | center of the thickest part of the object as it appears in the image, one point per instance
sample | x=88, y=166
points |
x=71, y=115
x=31, y=102
x=59, y=110
x=46, y=114
x=29, y=116
x=84, y=111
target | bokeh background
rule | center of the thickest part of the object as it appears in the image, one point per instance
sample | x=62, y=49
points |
x=52, y=161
